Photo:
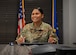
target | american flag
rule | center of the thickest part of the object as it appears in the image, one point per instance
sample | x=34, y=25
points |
x=21, y=17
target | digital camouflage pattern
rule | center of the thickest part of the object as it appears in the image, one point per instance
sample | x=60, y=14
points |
x=39, y=34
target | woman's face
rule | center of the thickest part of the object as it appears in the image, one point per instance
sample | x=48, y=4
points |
x=36, y=16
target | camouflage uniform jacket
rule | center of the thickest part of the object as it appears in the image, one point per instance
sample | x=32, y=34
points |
x=40, y=34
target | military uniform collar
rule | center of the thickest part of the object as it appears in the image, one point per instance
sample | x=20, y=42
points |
x=39, y=28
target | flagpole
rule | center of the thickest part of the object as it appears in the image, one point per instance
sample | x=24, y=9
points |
x=53, y=14
x=23, y=5
x=54, y=30
x=23, y=13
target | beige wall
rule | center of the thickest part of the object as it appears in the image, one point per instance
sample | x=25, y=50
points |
x=69, y=19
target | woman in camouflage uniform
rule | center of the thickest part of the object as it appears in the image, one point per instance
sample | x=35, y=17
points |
x=37, y=31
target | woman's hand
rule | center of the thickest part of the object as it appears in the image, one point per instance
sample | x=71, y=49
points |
x=20, y=40
x=52, y=40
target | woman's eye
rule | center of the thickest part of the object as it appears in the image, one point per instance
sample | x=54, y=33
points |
x=34, y=13
x=37, y=13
